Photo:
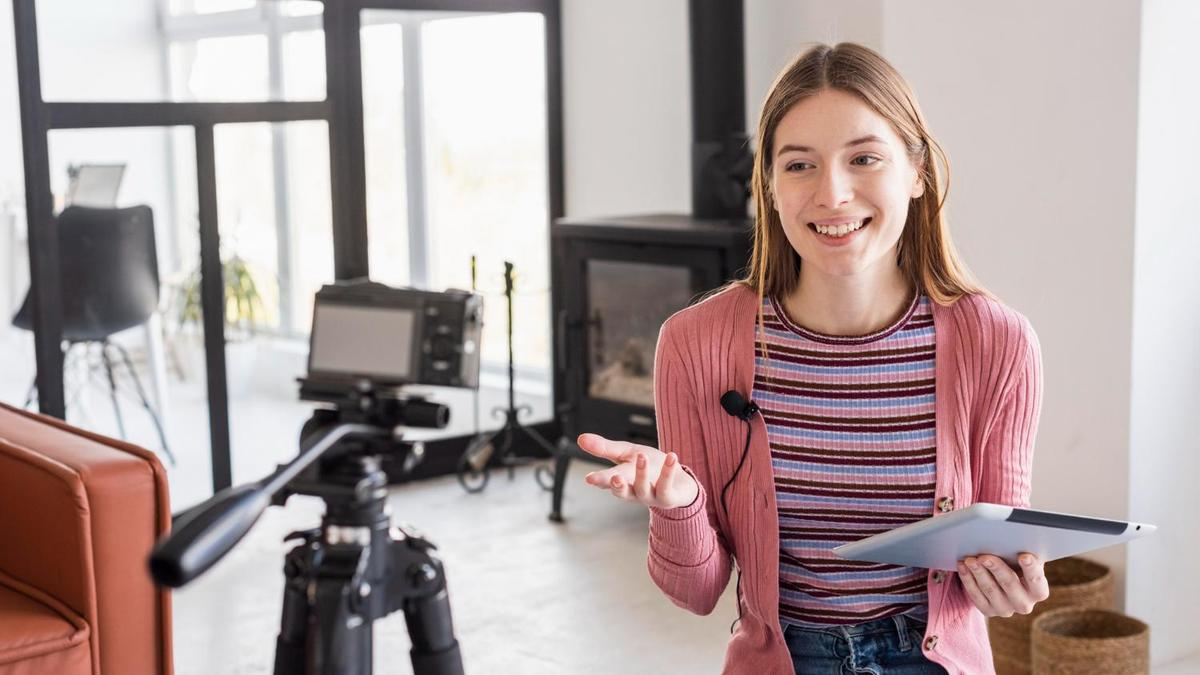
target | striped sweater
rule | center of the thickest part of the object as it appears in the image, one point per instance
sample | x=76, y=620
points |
x=850, y=423
x=988, y=381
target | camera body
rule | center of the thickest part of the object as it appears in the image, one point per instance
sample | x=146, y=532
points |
x=365, y=330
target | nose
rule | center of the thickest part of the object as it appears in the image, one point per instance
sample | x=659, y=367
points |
x=834, y=188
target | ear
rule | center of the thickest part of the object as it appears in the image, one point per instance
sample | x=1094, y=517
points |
x=918, y=187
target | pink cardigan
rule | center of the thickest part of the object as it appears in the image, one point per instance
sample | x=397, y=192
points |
x=988, y=382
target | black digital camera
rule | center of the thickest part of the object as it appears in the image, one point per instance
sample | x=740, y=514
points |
x=365, y=330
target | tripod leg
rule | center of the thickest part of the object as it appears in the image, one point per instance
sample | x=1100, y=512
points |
x=561, y=463
x=540, y=440
x=474, y=465
x=290, y=645
x=137, y=383
x=431, y=630
x=507, y=452
x=343, y=641
x=112, y=387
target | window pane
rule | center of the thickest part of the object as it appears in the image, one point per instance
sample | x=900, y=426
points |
x=16, y=345
x=286, y=7
x=304, y=65
x=246, y=214
x=383, y=118
x=310, y=218
x=486, y=170
x=98, y=51
x=276, y=243
x=300, y=7
x=209, y=6
x=220, y=69
x=457, y=166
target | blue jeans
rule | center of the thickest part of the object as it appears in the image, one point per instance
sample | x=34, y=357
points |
x=890, y=646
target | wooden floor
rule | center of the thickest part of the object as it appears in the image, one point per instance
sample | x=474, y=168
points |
x=529, y=596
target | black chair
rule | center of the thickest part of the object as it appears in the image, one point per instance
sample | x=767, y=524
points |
x=109, y=268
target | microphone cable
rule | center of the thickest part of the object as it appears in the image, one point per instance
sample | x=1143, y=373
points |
x=737, y=406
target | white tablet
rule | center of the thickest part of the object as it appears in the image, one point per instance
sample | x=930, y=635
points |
x=1005, y=531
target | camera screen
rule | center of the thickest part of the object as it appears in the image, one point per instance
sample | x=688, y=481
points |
x=353, y=340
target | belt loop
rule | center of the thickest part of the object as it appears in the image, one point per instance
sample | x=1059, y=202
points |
x=902, y=632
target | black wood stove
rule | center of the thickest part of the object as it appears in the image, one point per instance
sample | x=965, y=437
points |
x=615, y=280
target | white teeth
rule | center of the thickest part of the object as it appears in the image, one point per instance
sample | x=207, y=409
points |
x=839, y=230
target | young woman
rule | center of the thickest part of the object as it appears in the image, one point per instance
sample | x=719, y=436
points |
x=889, y=389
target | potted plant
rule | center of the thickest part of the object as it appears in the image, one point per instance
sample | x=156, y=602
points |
x=246, y=309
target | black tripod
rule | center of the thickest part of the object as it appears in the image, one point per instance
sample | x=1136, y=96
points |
x=473, y=466
x=351, y=571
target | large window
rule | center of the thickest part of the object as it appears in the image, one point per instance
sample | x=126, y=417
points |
x=456, y=164
x=273, y=180
x=456, y=155
x=456, y=167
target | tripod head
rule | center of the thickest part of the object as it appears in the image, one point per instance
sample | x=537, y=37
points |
x=365, y=422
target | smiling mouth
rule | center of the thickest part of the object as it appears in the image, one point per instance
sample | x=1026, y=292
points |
x=839, y=231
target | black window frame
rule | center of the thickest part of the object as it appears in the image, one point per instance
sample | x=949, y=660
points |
x=342, y=110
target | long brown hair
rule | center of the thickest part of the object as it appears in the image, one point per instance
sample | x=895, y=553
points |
x=925, y=253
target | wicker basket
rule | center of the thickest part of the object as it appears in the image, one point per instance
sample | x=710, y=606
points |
x=1073, y=641
x=1074, y=582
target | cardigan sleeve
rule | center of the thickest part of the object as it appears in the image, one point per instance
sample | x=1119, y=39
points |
x=687, y=557
x=1008, y=448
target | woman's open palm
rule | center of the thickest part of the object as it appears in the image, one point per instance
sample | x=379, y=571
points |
x=642, y=474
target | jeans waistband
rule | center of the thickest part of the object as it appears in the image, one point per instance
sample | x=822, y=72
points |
x=899, y=624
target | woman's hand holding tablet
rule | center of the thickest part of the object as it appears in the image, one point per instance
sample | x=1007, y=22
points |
x=997, y=590
x=983, y=533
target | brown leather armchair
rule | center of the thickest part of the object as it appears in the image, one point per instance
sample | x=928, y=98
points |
x=78, y=515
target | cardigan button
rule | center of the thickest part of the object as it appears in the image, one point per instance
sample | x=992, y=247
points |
x=945, y=504
x=939, y=576
x=930, y=643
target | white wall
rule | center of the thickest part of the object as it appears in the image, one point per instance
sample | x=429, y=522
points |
x=627, y=120
x=1164, y=457
x=1041, y=133
x=626, y=91
x=777, y=30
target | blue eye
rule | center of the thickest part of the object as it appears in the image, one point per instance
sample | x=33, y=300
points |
x=793, y=165
x=875, y=160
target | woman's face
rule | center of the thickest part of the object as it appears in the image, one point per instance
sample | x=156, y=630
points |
x=842, y=181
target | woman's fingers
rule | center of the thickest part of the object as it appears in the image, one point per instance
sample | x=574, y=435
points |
x=666, y=477
x=614, y=451
x=619, y=487
x=985, y=573
x=1034, y=572
x=603, y=479
x=645, y=475
x=987, y=584
x=642, y=488
x=972, y=589
x=1010, y=584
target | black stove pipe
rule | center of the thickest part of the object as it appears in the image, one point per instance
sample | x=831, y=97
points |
x=721, y=155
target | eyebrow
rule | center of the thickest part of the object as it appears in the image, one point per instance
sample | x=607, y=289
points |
x=804, y=148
